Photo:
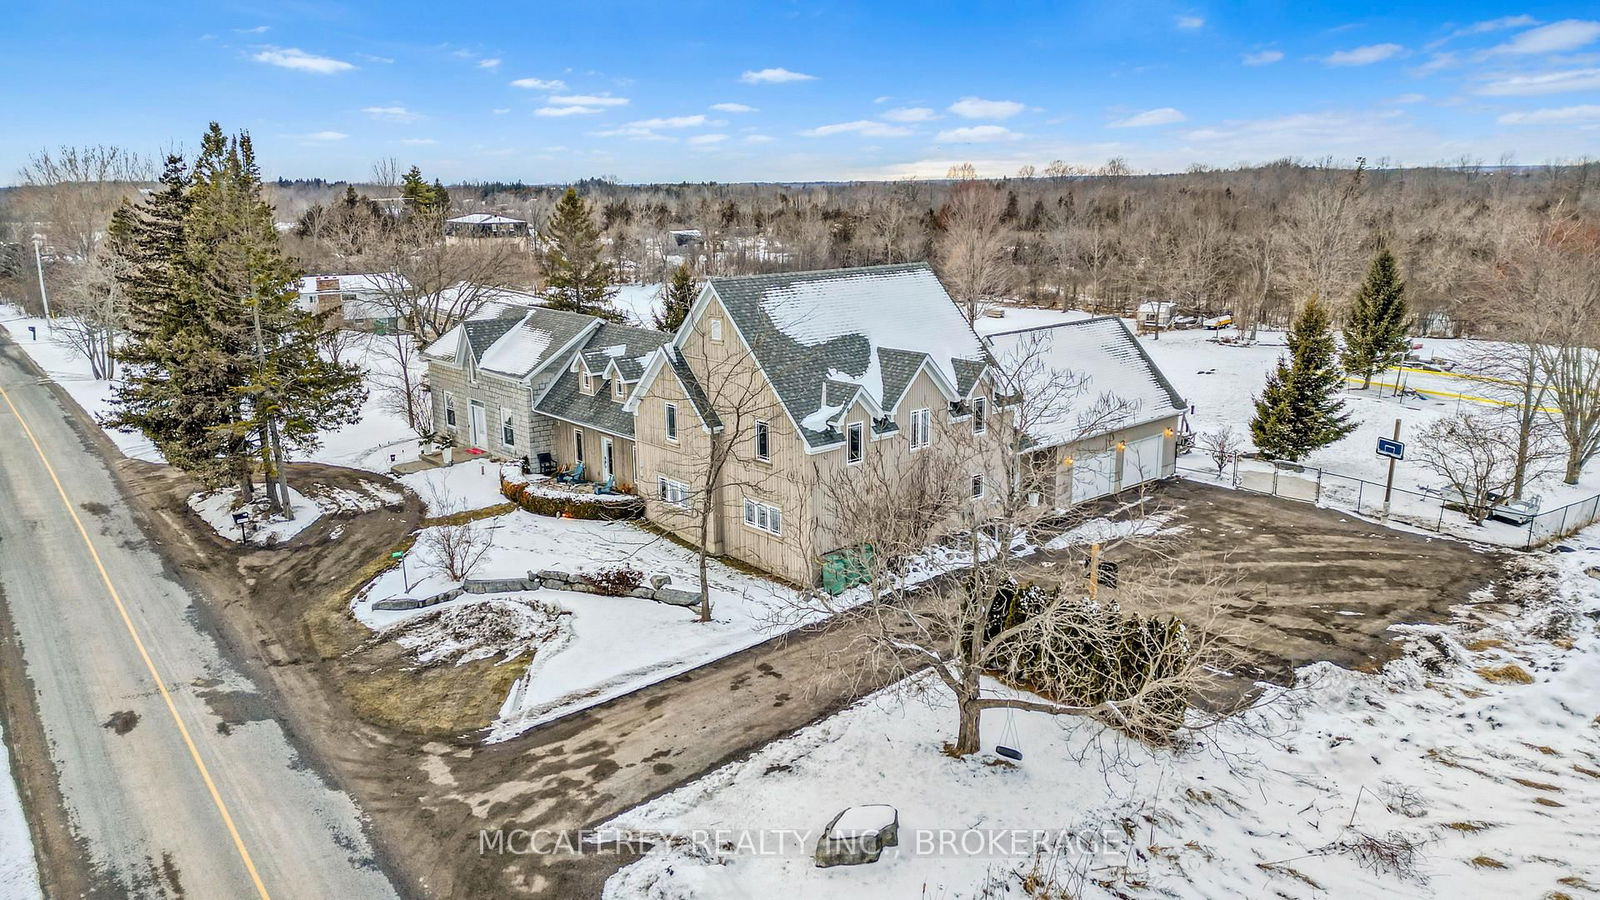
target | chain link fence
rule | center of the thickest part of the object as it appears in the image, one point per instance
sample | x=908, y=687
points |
x=1422, y=509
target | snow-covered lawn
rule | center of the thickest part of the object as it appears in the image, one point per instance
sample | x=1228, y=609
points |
x=19, y=874
x=217, y=509
x=1479, y=750
x=616, y=644
x=469, y=485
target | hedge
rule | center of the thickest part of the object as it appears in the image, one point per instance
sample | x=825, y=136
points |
x=577, y=506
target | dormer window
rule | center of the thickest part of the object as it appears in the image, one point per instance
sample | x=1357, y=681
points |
x=586, y=382
x=617, y=390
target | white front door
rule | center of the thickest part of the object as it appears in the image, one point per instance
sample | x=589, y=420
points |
x=605, y=458
x=479, y=424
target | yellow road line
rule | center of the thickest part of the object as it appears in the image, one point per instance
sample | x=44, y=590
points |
x=161, y=685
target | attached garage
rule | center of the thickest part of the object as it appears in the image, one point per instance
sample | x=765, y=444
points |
x=1141, y=461
x=1093, y=475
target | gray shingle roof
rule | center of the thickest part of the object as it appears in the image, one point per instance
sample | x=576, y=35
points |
x=692, y=387
x=482, y=333
x=529, y=342
x=807, y=328
x=623, y=344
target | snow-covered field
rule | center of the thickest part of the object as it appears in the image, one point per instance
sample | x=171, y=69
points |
x=616, y=644
x=464, y=486
x=1474, y=761
x=19, y=873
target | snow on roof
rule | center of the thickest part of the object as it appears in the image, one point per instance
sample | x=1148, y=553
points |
x=512, y=352
x=485, y=219
x=807, y=327
x=1104, y=353
x=373, y=282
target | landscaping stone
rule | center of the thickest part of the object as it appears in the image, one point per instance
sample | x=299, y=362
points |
x=676, y=597
x=642, y=593
x=398, y=603
x=551, y=584
x=858, y=835
x=553, y=575
x=660, y=581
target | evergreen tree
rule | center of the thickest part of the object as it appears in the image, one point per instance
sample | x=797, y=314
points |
x=422, y=198
x=1376, y=325
x=577, y=277
x=676, y=299
x=1299, y=409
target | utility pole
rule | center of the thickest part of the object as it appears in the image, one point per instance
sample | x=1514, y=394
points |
x=1388, y=489
x=38, y=264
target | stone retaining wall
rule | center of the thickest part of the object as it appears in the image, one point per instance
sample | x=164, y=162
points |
x=659, y=589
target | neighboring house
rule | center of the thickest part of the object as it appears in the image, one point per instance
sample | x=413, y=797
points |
x=481, y=226
x=353, y=300
x=1115, y=428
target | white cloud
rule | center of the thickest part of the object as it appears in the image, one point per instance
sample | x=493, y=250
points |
x=865, y=127
x=633, y=131
x=733, y=108
x=1557, y=37
x=911, y=114
x=1364, y=56
x=540, y=84
x=301, y=61
x=589, y=100
x=1544, y=83
x=704, y=139
x=558, y=112
x=1189, y=22
x=418, y=142
x=1438, y=62
x=1499, y=24
x=1567, y=115
x=774, y=76
x=1166, y=115
x=259, y=29
x=324, y=136
x=978, y=108
x=1263, y=58
x=670, y=122
x=392, y=113
x=977, y=134
x=759, y=139
x=490, y=63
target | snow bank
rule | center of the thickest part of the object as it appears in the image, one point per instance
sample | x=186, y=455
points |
x=217, y=509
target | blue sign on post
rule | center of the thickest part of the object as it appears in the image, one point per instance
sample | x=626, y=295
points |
x=1391, y=448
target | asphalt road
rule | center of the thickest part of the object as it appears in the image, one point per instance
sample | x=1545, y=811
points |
x=175, y=774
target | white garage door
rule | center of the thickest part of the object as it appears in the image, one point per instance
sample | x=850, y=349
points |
x=1093, y=475
x=1141, y=461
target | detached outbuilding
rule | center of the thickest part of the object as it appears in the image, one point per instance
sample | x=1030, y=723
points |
x=1113, y=421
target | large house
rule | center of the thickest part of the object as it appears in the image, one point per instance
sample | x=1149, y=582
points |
x=794, y=381
x=361, y=300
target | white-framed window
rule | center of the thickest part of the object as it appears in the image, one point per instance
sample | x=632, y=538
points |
x=855, y=442
x=763, y=516
x=673, y=492
x=577, y=446
x=921, y=431
x=672, y=421
x=763, y=441
x=977, y=486
x=449, y=409
x=714, y=329
x=980, y=415
x=587, y=383
x=616, y=389
x=508, y=427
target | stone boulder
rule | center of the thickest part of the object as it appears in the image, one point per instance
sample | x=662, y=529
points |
x=660, y=581
x=676, y=597
x=858, y=835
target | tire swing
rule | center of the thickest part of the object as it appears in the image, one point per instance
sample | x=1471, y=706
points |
x=1008, y=739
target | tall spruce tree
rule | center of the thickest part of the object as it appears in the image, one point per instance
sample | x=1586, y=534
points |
x=224, y=373
x=1299, y=409
x=676, y=299
x=422, y=198
x=577, y=277
x=1375, y=327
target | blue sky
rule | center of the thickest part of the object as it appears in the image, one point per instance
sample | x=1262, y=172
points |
x=686, y=90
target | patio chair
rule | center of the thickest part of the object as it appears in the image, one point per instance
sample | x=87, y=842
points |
x=610, y=486
x=547, y=464
x=572, y=477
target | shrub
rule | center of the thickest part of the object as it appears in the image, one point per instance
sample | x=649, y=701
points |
x=577, y=506
x=617, y=581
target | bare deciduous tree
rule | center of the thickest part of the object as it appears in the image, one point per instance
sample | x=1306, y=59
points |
x=1475, y=455
x=972, y=247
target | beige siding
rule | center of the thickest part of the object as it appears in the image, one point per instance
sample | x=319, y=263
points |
x=622, y=453
x=1061, y=458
